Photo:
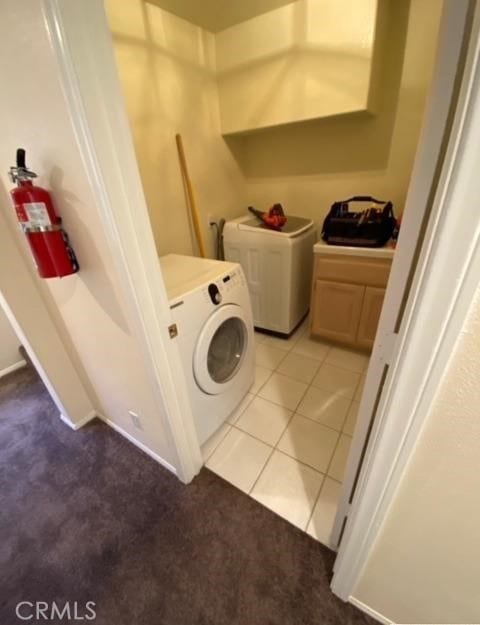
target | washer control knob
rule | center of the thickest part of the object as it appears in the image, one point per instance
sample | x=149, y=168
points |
x=214, y=293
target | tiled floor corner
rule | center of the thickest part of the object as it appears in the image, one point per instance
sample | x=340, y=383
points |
x=287, y=442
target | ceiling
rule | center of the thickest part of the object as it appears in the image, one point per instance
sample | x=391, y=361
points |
x=216, y=15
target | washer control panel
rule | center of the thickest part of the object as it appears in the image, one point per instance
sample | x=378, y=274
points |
x=216, y=291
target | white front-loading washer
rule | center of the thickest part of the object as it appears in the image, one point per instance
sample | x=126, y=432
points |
x=210, y=304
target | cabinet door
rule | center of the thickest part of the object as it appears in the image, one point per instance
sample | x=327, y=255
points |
x=371, y=309
x=336, y=310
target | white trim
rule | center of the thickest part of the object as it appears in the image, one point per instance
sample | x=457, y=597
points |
x=79, y=424
x=33, y=357
x=81, y=42
x=444, y=287
x=138, y=444
x=12, y=368
x=367, y=610
x=423, y=177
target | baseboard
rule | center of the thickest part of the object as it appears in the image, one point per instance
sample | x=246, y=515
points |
x=373, y=613
x=138, y=444
x=79, y=424
x=12, y=368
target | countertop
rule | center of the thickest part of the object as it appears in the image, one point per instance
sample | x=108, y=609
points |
x=372, y=252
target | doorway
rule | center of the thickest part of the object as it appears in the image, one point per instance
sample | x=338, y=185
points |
x=30, y=324
x=317, y=374
x=11, y=357
x=386, y=344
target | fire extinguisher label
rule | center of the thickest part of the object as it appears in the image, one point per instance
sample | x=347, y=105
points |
x=37, y=214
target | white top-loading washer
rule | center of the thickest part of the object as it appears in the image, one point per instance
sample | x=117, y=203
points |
x=211, y=307
x=278, y=268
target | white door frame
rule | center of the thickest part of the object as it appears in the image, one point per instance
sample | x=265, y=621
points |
x=19, y=295
x=24, y=336
x=445, y=284
x=81, y=41
x=425, y=169
x=443, y=289
x=426, y=165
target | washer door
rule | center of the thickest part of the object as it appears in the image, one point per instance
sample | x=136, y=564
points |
x=220, y=349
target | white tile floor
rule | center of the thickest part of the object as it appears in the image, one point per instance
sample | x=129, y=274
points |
x=287, y=443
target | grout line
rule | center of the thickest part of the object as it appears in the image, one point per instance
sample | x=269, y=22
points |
x=322, y=486
x=261, y=471
x=333, y=393
x=284, y=430
x=364, y=376
x=316, y=502
x=252, y=436
x=318, y=365
x=304, y=464
x=339, y=434
x=301, y=397
x=320, y=361
x=300, y=400
x=309, y=385
x=229, y=426
x=243, y=409
x=282, y=349
x=283, y=405
x=333, y=455
x=272, y=450
x=334, y=480
x=283, y=352
x=275, y=446
x=282, y=433
x=261, y=385
x=333, y=364
x=346, y=417
x=299, y=414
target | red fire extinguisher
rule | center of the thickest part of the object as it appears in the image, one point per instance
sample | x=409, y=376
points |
x=48, y=241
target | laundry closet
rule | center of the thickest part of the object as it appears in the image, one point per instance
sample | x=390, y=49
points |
x=301, y=103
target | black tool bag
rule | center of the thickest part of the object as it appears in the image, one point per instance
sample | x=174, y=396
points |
x=371, y=227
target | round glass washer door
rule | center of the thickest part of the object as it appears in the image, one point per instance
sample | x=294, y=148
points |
x=220, y=349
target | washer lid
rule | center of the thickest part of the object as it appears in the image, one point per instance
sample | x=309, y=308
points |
x=183, y=274
x=293, y=227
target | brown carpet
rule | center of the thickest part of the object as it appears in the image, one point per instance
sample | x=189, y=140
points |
x=85, y=516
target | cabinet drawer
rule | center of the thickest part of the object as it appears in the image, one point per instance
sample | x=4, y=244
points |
x=353, y=270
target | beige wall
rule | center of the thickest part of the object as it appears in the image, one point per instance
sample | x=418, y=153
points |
x=88, y=307
x=425, y=565
x=22, y=292
x=211, y=14
x=309, y=166
x=306, y=60
x=167, y=69
x=9, y=344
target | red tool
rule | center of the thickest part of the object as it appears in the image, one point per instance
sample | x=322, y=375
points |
x=275, y=218
x=48, y=241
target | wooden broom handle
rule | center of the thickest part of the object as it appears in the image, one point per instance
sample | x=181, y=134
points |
x=191, y=198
